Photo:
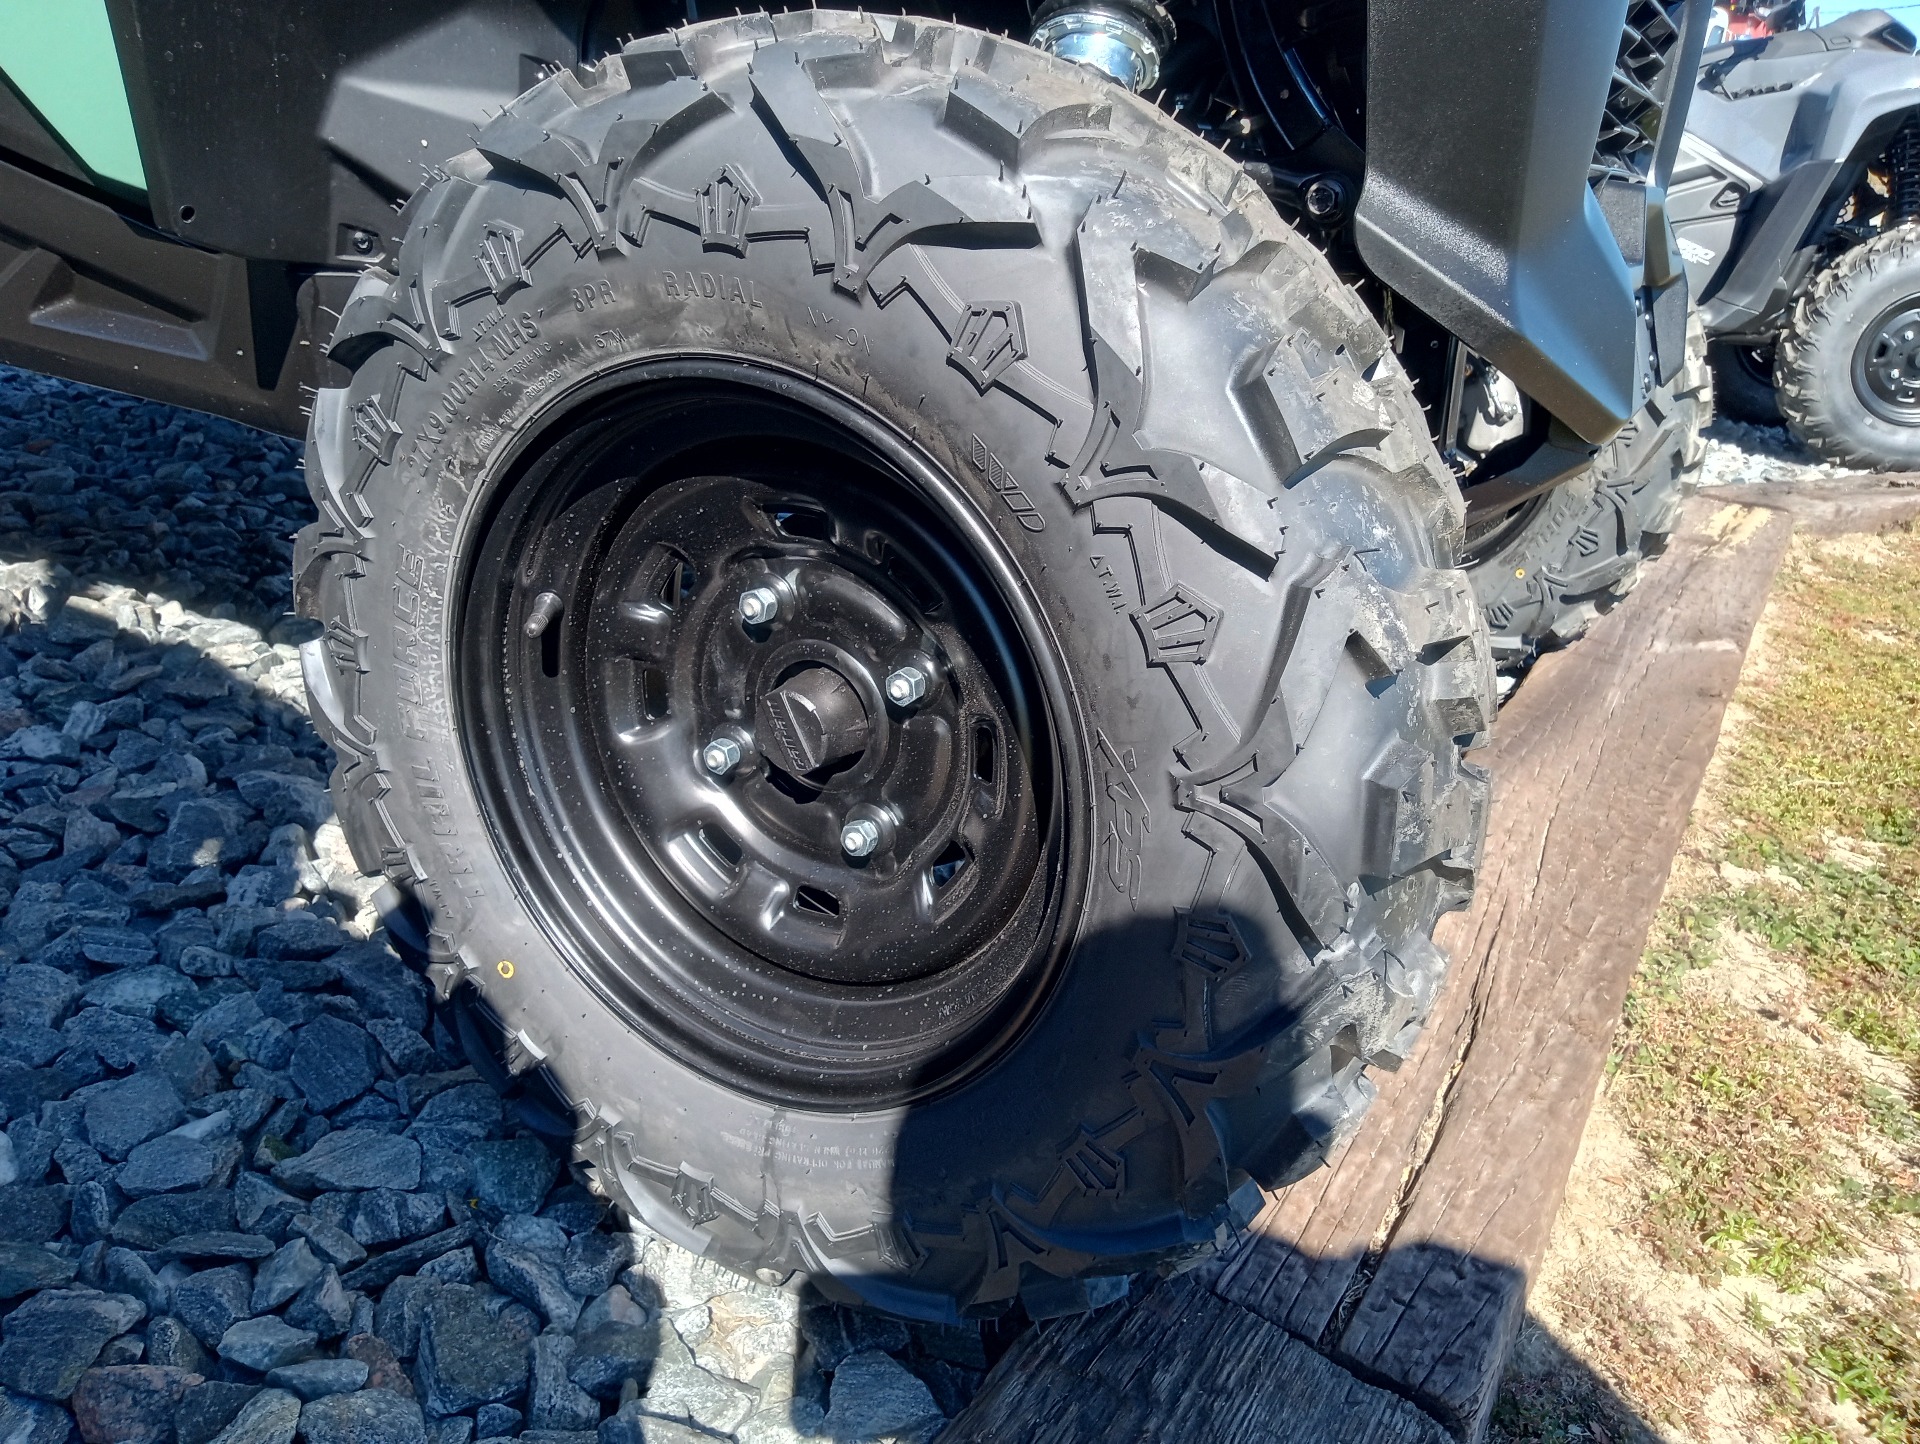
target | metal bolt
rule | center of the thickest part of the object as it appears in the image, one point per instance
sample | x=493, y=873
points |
x=859, y=837
x=759, y=605
x=1322, y=198
x=720, y=756
x=906, y=685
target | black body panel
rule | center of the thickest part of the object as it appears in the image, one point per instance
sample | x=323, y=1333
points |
x=93, y=294
x=1477, y=206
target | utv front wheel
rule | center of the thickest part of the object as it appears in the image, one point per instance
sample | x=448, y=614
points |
x=901, y=628
x=1848, y=369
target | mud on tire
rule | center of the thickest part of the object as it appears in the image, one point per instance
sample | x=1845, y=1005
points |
x=1545, y=574
x=1061, y=333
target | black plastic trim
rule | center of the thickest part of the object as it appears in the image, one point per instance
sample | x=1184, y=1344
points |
x=1480, y=127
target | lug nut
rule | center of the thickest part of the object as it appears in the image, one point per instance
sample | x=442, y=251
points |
x=759, y=605
x=859, y=837
x=720, y=756
x=906, y=685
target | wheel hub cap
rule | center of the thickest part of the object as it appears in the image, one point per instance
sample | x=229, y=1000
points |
x=1886, y=365
x=812, y=721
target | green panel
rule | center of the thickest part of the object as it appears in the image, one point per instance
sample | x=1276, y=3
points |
x=59, y=54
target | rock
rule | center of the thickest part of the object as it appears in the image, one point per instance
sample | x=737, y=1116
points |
x=131, y=1404
x=51, y=1339
x=606, y=1357
x=678, y=1388
x=458, y=1267
x=281, y=798
x=837, y=1332
x=212, y=1302
x=172, y=1345
x=538, y=1235
x=172, y=1164
x=513, y=1176
x=151, y=1223
x=383, y=985
x=201, y=834
x=29, y=1421
x=219, y=1244
x=750, y=1329
x=128, y=1111
x=32, y=993
x=615, y=1306
x=333, y=1062
x=874, y=1396
x=373, y=1417
x=136, y=989
x=127, y=1273
x=264, y=1344
x=534, y=1281
x=378, y=1272
x=409, y=1051
x=456, y=1429
x=291, y=1268
x=318, y=1378
x=269, y=1417
x=385, y=1215
x=556, y=1401
x=335, y=1245
x=208, y=1408
x=322, y=1306
x=258, y=1205
x=466, y=1356
x=32, y=1213
x=594, y=1260
x=633, y=1425
x=496, y=1421
x=384, y=1371
x=27, y=1267
x=353, y=1158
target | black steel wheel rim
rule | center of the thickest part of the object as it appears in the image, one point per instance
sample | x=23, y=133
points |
x=604, y=653
x=1886, y=364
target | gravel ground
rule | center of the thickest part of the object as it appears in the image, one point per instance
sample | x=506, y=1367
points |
x=1739, y=455
x=250, y=1187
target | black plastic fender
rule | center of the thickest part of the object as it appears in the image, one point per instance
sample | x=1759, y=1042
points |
x=1481, y=123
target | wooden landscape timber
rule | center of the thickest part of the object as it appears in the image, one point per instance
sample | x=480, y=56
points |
x=1375, y=1303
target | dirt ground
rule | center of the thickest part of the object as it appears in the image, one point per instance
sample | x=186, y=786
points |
x=1738, y=1255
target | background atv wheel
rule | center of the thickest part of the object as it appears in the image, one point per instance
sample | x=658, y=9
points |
x=732, y=380
x=1546, y=570
x=1743, y=382
x=1848, y=369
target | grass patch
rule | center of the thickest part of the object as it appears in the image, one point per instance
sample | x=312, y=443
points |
x=1741, y=1125
x=1759, y=1136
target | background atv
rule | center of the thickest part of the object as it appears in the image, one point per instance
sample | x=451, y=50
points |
x=896, y=612
x=1794, y=201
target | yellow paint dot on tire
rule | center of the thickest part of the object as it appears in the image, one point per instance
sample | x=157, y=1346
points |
x=1519, y=571
x=505, y=968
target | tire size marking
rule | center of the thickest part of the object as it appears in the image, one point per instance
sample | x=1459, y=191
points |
x=1003, y=482
x=711, y=286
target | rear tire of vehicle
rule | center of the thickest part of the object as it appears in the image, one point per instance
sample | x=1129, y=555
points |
x=1164, y=453
x=1827, y=392
x=1543, y=580
x=1743, y=383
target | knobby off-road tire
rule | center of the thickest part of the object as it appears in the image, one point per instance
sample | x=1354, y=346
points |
x=1068, y=337
x=1743, y=383
x=1544, y=576
x=1849, y=400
